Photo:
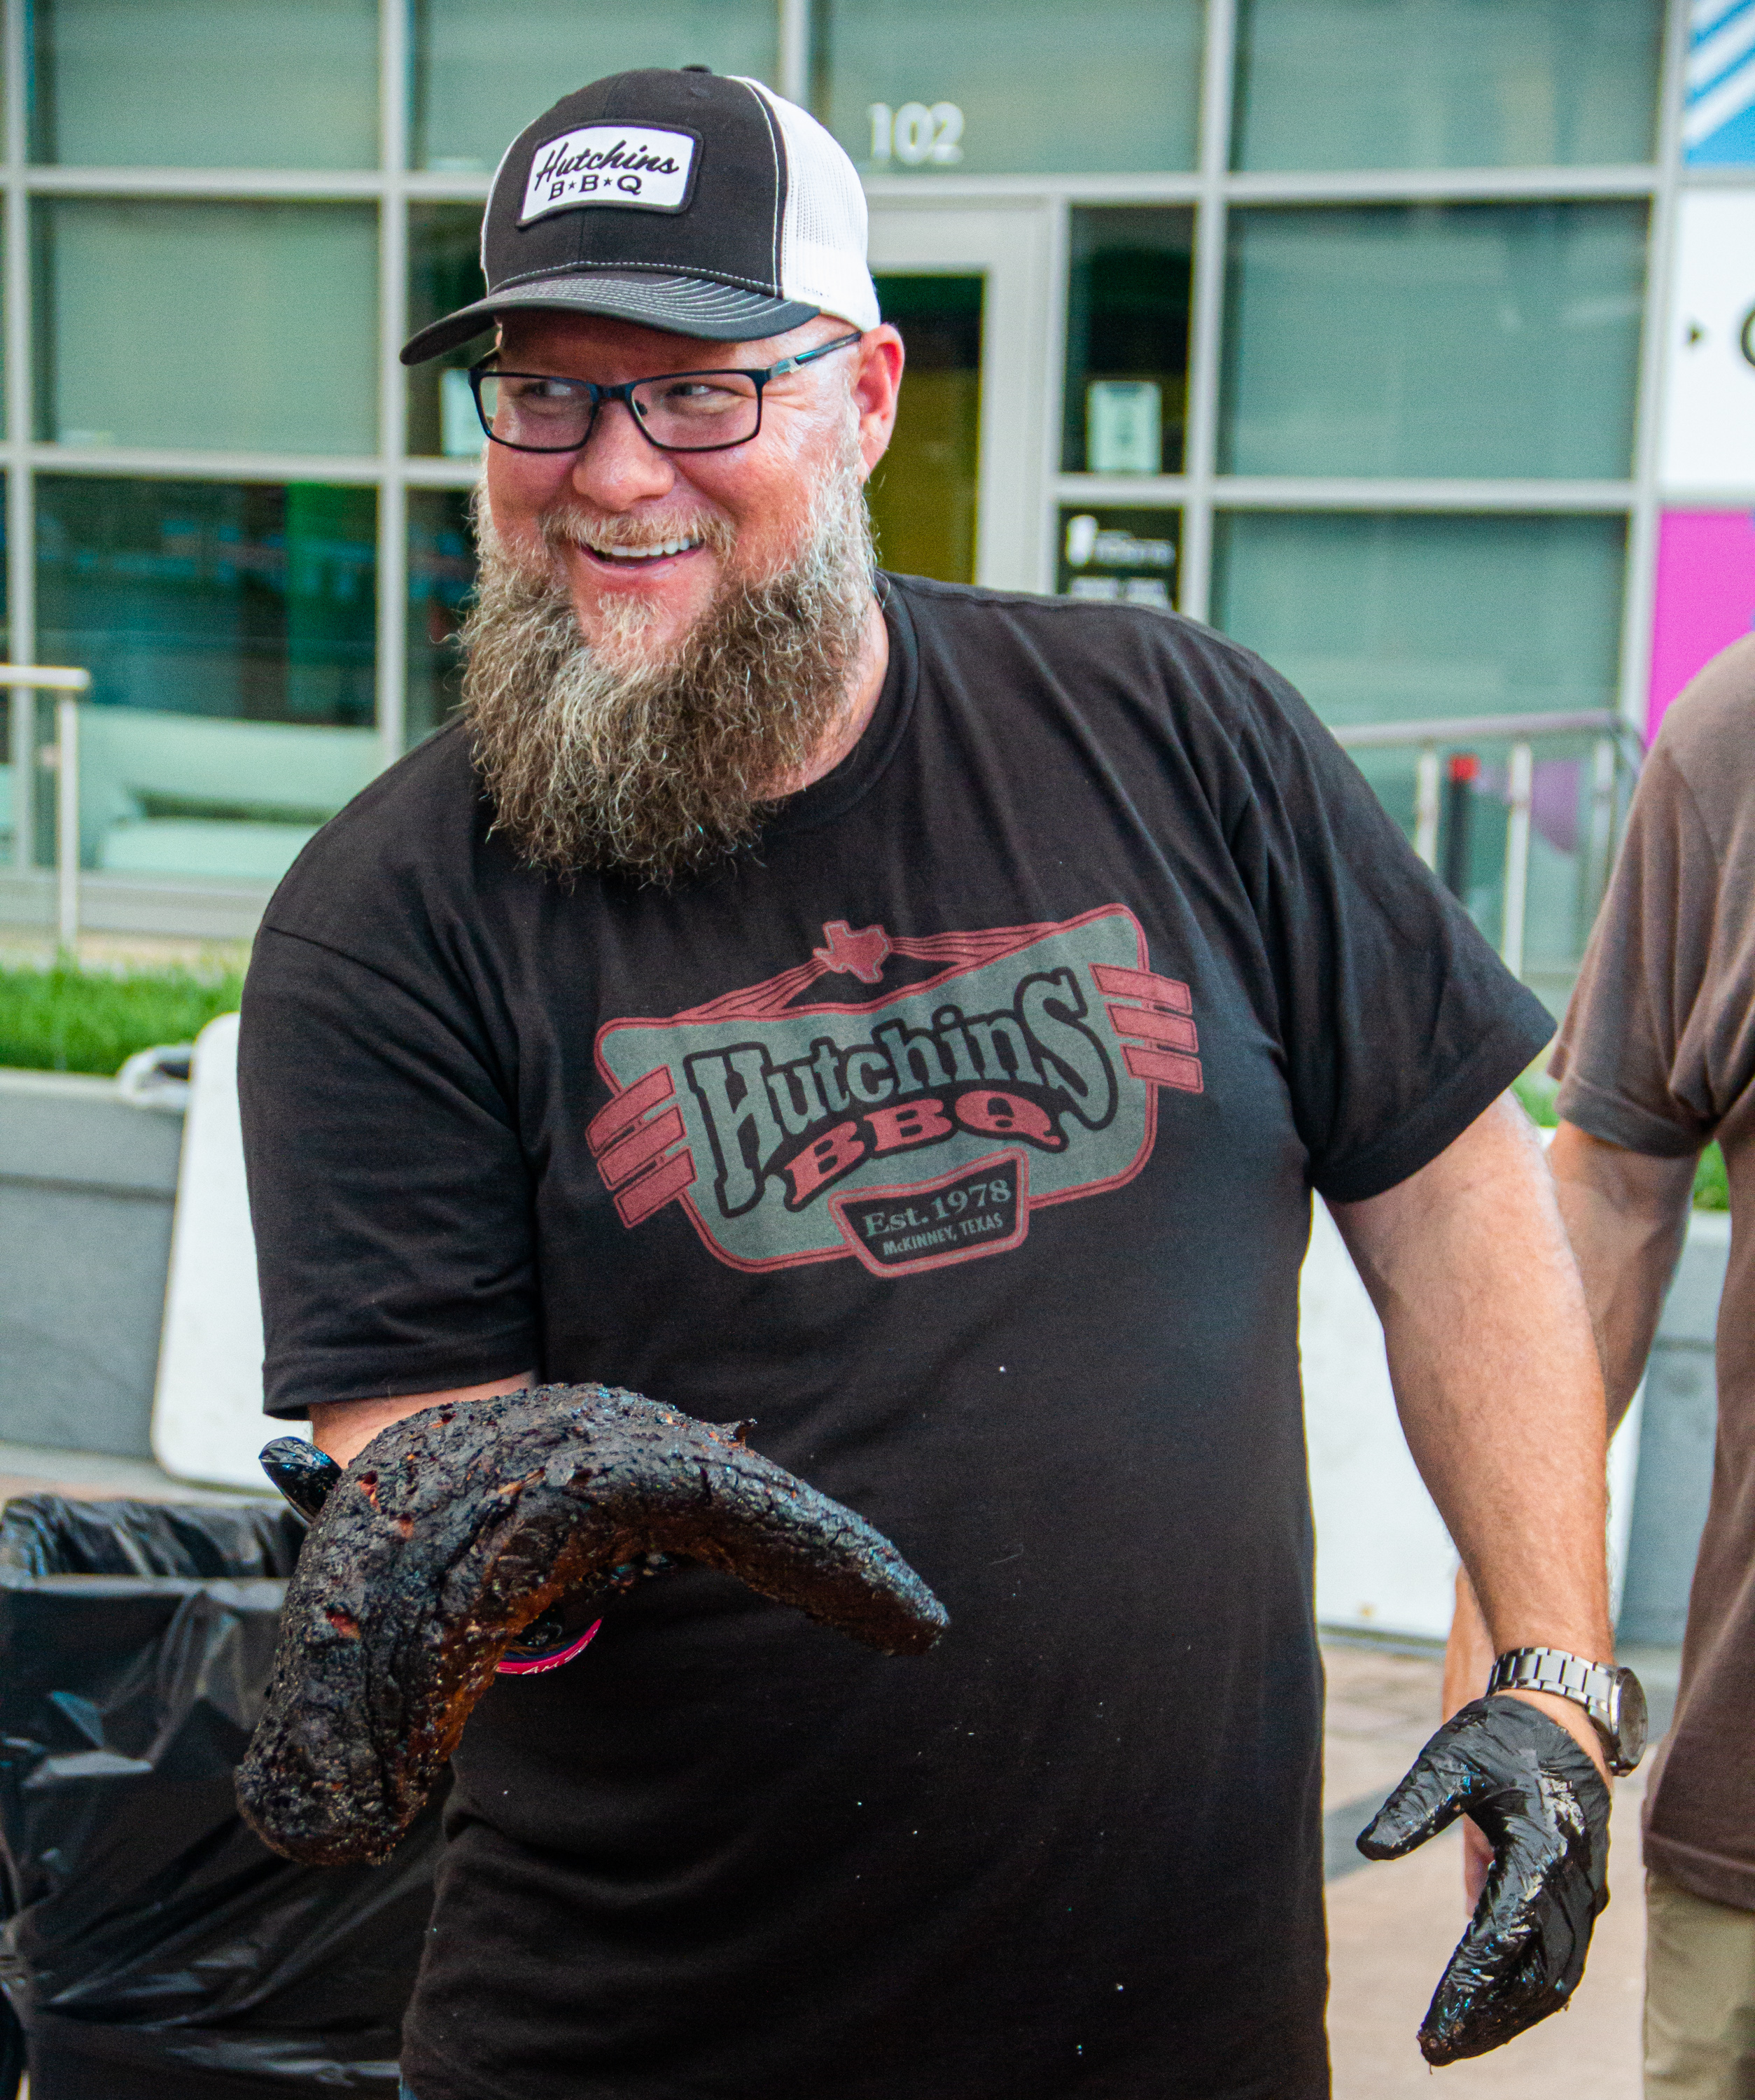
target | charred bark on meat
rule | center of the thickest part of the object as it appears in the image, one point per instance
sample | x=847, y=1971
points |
x=454, y=1529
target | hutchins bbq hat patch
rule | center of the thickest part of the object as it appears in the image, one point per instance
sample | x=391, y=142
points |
x=799, y=1121
x=682, y=200
x=628, y=167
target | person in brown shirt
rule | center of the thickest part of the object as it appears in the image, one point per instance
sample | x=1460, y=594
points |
x=1656, y=1059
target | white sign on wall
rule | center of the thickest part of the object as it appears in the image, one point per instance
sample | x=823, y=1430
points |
x=1708, y=428
x=1124, y=426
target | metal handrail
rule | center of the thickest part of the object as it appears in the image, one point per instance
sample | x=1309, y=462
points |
x=63, y=755
x=1480, y=729
x=1615, y=738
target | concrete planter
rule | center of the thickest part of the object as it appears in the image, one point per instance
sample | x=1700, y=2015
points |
x=87, y=1185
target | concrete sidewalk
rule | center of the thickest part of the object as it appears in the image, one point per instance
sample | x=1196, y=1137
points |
x=1391, y=1926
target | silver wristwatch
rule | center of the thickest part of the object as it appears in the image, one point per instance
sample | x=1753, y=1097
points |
x=1614, y=1698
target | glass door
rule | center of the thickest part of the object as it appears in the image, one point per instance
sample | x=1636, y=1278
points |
x=923, y=497
x=960, y=495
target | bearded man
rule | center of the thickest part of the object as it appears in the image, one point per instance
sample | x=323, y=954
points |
x=914, y=1018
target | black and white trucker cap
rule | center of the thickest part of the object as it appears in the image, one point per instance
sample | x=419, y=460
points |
x=687, y=201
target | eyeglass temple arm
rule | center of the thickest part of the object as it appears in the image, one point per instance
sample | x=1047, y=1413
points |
x=807, y=356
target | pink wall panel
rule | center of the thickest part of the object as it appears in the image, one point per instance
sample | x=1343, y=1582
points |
x=1705, y=597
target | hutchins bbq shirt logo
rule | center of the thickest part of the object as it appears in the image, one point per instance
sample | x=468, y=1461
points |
x=909, y=1130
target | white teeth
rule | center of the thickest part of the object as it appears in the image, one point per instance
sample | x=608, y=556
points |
x=645, y=553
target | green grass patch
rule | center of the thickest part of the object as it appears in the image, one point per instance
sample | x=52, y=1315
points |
x=1537, y=1092
x=1711, y=1191
x=65, y=1019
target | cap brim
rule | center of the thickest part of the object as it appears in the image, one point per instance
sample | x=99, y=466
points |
x=677, y=306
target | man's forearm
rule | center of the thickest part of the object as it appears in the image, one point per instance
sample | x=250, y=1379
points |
x=1624, y=1213
x=344, y=1427
x=1497, y=1381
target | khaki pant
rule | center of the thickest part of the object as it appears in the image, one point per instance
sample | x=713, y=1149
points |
x=1699, y=1996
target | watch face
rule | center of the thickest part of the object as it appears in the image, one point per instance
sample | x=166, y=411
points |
x=1629, y=1719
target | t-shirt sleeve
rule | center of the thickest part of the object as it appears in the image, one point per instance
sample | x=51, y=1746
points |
x=390, y=1196
x=1656, y=1046
x=1397, y=1022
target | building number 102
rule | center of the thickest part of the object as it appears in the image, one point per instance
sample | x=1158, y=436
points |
x=916, y=135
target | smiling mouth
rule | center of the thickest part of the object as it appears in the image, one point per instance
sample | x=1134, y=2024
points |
x=627, y=556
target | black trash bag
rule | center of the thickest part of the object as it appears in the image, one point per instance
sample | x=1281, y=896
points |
x=151, y=1944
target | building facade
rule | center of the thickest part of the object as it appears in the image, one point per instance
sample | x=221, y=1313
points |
x=1345, y=325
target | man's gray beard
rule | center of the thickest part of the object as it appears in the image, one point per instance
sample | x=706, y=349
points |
x=609, y=755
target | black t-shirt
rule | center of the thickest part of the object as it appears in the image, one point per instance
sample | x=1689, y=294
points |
x=963, y=1135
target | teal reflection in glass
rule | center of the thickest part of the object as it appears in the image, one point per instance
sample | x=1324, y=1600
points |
x=205, y=83
x=441, y=575
x=1477, y=340
x=237, y=327
x=485, y=68
x=1127, y=335
x=210, y=597
x=229, y=632
x=444, y=273
x=1404, y=617
x=1031, y=86
x=1445, y=83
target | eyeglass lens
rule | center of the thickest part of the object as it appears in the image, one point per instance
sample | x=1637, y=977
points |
x=694, y=411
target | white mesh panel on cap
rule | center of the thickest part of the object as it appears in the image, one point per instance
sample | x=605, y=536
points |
x=822, y=236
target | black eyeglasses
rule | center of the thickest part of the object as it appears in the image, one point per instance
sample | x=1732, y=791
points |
x=678, y=412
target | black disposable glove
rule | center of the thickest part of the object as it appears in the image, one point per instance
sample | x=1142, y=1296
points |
x=1545, y=1809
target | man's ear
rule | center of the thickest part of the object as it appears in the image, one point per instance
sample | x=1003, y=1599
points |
x=876, y=384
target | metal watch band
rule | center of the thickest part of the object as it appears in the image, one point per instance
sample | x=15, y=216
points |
x=1598, y=1687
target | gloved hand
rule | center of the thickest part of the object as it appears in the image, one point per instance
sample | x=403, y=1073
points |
x=455, y=1526
x=1545, y=1809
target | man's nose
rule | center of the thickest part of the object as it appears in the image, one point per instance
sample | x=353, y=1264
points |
x=616, y=468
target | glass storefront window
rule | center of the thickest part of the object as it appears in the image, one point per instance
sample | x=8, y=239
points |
x=1445, y=83
x=923, y=496
x=484, y=68
x=441, y=573
x=238, y=327
x=1379, y=619
x=230, y=633
x=205, y=83
x=1127, y=340
x=997, y=86
x=1473, y=340
x=1121, y=557
x=444, y=273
